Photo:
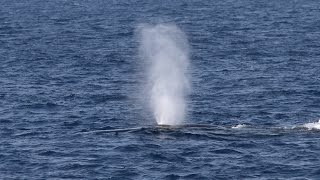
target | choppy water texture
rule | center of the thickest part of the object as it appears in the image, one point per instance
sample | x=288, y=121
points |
x=68, y=68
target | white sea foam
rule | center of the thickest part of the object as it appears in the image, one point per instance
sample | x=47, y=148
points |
x=239, y=126
x=313, y=125
x=164, y=48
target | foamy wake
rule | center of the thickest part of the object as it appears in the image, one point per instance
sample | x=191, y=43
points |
x=311, y=126
x=239, y=126
x=308, y=126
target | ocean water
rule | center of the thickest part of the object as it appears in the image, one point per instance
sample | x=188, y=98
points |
x=70, y=71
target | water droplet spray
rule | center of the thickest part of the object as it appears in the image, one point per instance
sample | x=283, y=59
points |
x=164, y=48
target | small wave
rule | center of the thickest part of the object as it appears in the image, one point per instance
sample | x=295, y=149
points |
x=226, y=151
x=129, y=148
x=313, y=125
x=239, y=126
x=45, y=105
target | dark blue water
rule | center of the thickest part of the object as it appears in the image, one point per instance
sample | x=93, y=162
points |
x=72, y=67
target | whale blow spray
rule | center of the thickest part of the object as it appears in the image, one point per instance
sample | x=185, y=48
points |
x=164, y=48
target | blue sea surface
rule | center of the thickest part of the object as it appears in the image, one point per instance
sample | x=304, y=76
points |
x=70, y=70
